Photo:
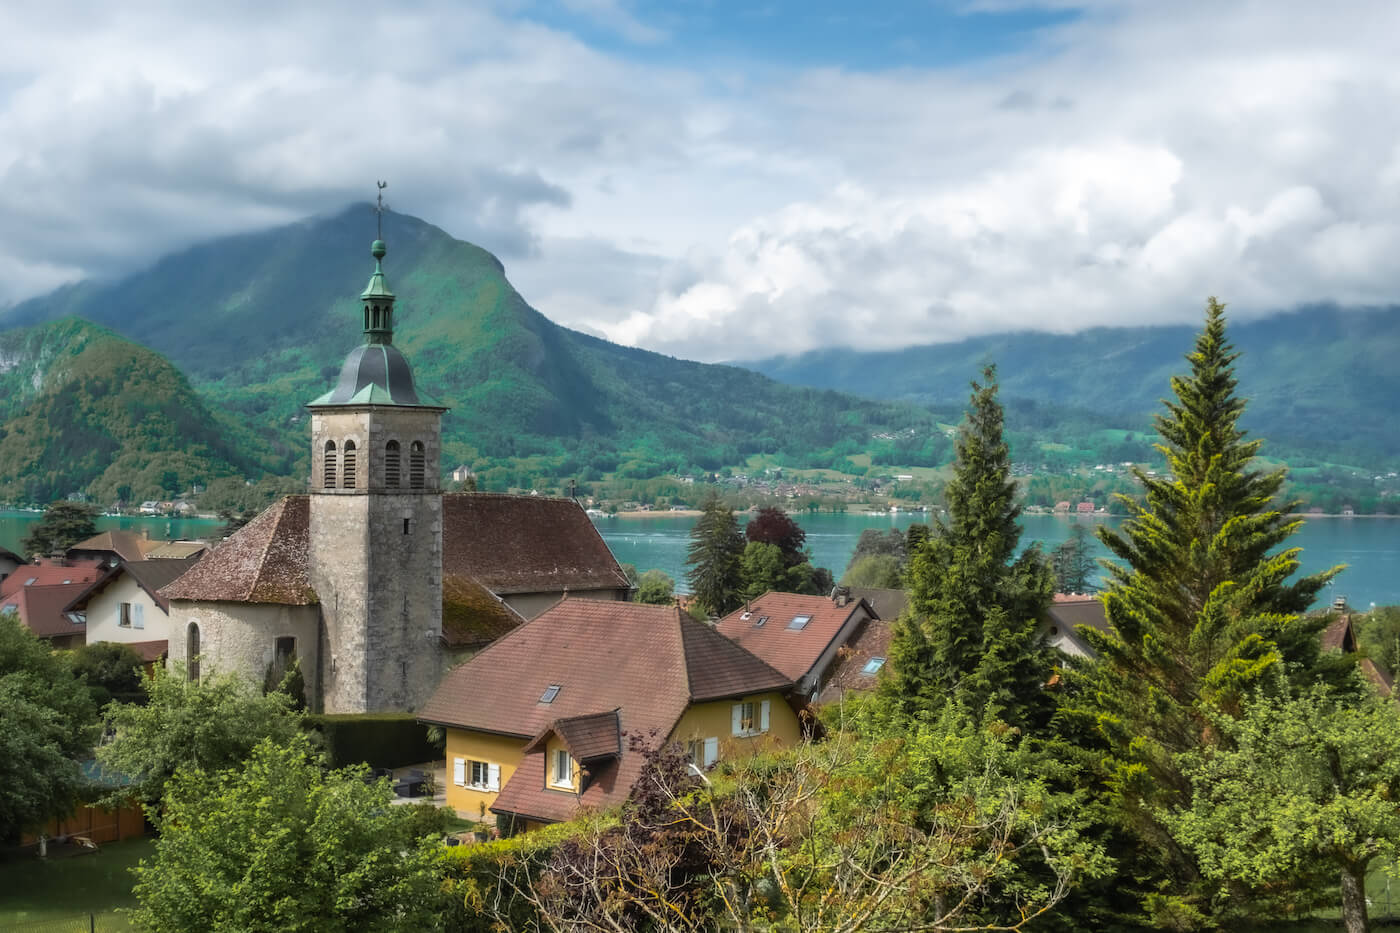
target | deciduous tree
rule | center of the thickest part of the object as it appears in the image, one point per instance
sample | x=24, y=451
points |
x=656, y=588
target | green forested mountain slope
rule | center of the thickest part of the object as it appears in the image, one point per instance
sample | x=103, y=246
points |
x=1320, y=381
x=81, y=408
x=261, y=323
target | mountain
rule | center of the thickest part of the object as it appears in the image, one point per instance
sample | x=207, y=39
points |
x=1320, y=382
x=82, y=408
x=261, y=323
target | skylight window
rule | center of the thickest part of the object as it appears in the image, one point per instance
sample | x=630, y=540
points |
x=30, y=581
x=761, y=620
x=799, y=622
x=873, y=666
x=549, y=694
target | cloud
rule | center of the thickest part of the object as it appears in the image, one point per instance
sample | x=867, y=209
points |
x=1116, y=168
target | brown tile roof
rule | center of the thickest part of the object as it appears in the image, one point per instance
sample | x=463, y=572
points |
x=265, y=561
x=588, y=737
x=176, y=550
x=41, y=609
x=482, y=538
x=1382, y=681
x=150, y=650
x=792, y=651
x=885, y=603
x=150, y=575
x=1339, y=636
x=472, y=616
x=127, y=545
x=871, y=640
x=49, y=575
x=646, y=662
x=1071, y=609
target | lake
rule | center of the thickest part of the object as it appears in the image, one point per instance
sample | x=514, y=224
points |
x=1370, y=547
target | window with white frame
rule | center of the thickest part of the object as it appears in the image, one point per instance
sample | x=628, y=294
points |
x=703, y=752
x=749, y=717
x=476, y=775
x=562, y=772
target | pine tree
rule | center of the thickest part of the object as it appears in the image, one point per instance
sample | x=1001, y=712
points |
x=716, y=548
x=970, y=633
x=1201, y=610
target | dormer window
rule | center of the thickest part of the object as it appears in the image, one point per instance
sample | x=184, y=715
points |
x=328, y=468
x=562, y=772
x=550, y=693
x=798, y=623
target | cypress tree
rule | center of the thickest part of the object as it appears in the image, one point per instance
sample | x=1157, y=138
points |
x=713, y=557
x=970, y=632
x=1201, y=614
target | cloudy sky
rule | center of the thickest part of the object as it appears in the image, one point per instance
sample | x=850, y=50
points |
x=721, y=180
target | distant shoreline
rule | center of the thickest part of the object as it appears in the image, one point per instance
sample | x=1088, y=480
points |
x=657, y=513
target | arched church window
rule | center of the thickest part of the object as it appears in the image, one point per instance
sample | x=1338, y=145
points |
x=328, y=479
x=348, y=472
x=192, y=652
x=391, y=464
x=377, y=318
x=366, y=317
x=415, y=465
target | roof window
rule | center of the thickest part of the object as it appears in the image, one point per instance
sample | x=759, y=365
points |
x=798, y=623
x=549, y=694
x=761, y=620
x=30, y=581
x=873, y=666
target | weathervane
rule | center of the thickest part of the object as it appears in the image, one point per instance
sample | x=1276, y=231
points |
x=379, y=208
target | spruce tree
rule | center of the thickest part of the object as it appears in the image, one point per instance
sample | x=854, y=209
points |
x=970, y=633
x=1201, y=613
x=716, y=549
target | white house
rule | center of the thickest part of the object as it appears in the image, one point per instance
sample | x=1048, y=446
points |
x=125, y=605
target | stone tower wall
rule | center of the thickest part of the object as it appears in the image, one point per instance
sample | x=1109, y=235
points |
x=242, y=638
x=376, y=562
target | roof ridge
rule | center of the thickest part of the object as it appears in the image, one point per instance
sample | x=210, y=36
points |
x=685, y=655
x=281, y=506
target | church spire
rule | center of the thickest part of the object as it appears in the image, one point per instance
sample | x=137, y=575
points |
x=378, y=300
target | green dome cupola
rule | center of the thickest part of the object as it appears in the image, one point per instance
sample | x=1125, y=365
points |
x=378, y=301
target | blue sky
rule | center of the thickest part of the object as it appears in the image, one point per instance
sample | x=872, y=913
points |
x=717, y=180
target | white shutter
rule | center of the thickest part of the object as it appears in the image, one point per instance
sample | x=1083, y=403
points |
x=711, y=752
x=459, y=771
x=736, y=719
x=138, y=615
x=493, y=777
x=763, y=717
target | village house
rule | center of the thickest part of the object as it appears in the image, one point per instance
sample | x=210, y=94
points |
x=797, y=634
x=555, y=716
x=125, y=605
x=39, y=595
x=375, y=582
x=861, y=659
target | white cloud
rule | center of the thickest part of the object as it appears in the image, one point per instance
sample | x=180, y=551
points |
x=1131, y=162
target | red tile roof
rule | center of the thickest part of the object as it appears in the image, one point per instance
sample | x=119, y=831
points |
x=150, y=575
x=265, y=561
x=150, y=650
x=792, y=651
x=41, y=609
x=588, y=738
x=49, y=575
x=525, y=544
x=649, y=663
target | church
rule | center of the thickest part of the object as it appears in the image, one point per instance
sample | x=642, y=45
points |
x=376, y=581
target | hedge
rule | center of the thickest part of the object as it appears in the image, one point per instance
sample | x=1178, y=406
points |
x=380, y=740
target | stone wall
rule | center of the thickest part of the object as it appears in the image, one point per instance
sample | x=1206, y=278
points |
x=242, y=638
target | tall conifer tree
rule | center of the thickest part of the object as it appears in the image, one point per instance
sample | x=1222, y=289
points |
x=713, y=558
x=970, y=632
x=1201, y=611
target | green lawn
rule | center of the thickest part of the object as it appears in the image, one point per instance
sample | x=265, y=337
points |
x=32, y=890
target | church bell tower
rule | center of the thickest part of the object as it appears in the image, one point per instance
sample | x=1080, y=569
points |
x=375, y=536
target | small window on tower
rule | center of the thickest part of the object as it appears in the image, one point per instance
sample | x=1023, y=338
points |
x=416, y=465
x=407, y=526
x=348, y=479
x=391, y=464
x=328, y=480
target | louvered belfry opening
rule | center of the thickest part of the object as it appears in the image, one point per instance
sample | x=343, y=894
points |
x=391, y=465
x=328, y=467
x=348, y=480
x=415, y=465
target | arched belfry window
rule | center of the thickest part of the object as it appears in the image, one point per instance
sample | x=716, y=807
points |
x=391, y=465
x=415, y=465
x=192, y=652
x=347, y=480
x=328, y=468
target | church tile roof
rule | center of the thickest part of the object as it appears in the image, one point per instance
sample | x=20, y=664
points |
x=482, y=539
x=265, y=561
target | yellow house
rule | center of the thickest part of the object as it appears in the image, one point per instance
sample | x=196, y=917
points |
x=556, y=715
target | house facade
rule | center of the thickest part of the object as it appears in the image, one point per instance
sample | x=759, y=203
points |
x=557, y=714
x=125, y=605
